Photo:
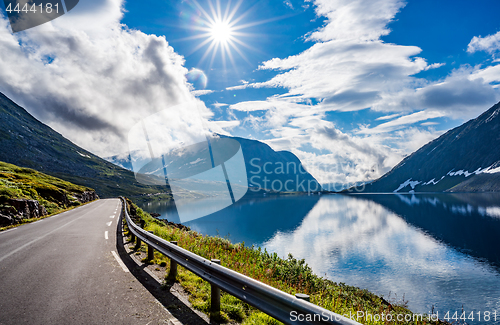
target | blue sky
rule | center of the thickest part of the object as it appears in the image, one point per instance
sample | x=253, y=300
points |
x=350, y=87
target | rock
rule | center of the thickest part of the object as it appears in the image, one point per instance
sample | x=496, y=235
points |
x=155, y=215
x=86, y=196
x=177, y=225
x=25, y=209
x=7, y=220
x=133, y=210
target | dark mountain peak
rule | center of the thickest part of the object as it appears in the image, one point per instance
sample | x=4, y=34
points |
x=264, y=167
x=450, y=162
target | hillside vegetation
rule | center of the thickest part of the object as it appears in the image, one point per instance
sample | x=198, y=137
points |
x=18, y=185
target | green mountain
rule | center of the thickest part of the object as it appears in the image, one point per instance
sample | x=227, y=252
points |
x=26, y=142
x=464, y=159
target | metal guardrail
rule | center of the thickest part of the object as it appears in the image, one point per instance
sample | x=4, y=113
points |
x=278, y=304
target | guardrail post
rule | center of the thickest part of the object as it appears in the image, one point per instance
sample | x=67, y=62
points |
x=172, y=275
x=132, y=236
x=302, y=296
x=151, y=251
x=137, y=243
x=215, y=296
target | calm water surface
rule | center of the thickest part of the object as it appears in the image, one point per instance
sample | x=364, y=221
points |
x=438, y=252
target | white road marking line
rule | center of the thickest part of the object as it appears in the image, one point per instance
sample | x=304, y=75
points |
x=109, y=223
x=105, y=235
x=3, y=232
x=118, y=259
x=112, y=216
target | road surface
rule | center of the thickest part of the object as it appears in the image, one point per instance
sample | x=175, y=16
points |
x=65, y=270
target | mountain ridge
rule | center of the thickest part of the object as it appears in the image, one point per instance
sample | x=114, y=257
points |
x=27, y=142
x=257, y=154
x=464, y=159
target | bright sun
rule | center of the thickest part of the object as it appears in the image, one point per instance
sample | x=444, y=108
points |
x=221, y=31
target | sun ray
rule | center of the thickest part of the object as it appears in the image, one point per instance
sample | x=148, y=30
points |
x=206, y=53
x=205, y=42
x=235, y=47
x=220, y=27
x=226, y=12
x=213, y=53
x=235, y=9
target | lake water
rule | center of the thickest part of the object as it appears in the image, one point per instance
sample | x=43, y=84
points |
x=438, y=252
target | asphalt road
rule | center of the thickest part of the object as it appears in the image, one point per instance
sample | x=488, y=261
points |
x=65, y=270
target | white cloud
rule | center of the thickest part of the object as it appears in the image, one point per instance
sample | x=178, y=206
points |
x=237, y=87
x=462, y=95
x=219, y=105
x=346, y=75
x=429, y=123
x=362, y=20
x=434, y=66
x=252, y=106
x=490, y=44
x=201, y=92
x=401, y=122
x=227, y=124
x=387, y=117
x=487, y=75
x=92, y=84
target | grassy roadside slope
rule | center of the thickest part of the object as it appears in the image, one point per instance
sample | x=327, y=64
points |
x=289, y=275
x=55, y=194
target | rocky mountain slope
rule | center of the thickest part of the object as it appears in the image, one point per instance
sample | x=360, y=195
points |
x=464, y=159
x=279, y=171
x=26, y=142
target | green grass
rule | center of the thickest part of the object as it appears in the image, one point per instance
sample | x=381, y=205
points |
x=55, y=194
x=289, y=274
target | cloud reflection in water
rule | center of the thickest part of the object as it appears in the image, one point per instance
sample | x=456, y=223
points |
x=362, y=243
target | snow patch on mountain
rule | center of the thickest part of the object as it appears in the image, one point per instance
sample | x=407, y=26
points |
x=492, y=170
x=405, y=184
x=466, y=173
x=493, y=115
x=433, y=181
x=83, y=155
